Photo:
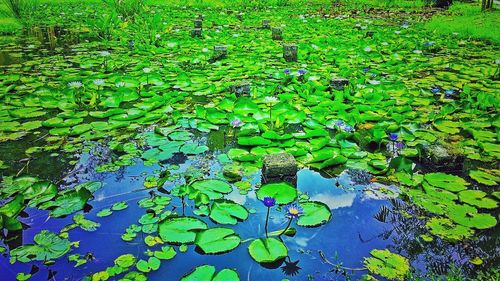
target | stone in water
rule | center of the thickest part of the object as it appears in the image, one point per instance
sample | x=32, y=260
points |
x=277, y=33
x=279, y=165
x=290, y=52
x=266, y=24
x=338, y=83
x=220, y=52
x=198, y=23
x=196, y=32
x=242, y=89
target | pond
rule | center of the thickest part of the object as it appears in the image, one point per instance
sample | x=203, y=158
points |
x=136, y=148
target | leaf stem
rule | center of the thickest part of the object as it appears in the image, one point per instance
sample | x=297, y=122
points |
x=267, y=219
x=286, y=228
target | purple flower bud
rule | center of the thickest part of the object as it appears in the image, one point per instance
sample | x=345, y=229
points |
x=349, y=129
x=393, y=136
x=236, y=123
x=339, y=123
x=286, y=71
x=400, y=145
x=435, y=90
x=269, y=201
x=366, y=69
x=302, y=71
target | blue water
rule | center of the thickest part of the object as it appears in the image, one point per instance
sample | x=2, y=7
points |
x=346, y=239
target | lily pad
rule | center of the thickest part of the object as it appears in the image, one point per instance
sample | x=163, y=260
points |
x=227, y=212
x=180, y=230
x=315, y=214
x=283, y=192
x=388, y=265
x=267, y=250
x=217, y=240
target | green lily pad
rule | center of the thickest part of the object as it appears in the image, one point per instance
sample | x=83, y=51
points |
x=484, y=177
x=227, y=212
x=477, y=198
x=207, y=273
x=283, y=192
x=446, y=229
x=314, y=214
x=445, y=181
x=468, y=216
x=217, y=240
x=181, y=230
x=48, y=246
x=388, y=265
x=267, y=250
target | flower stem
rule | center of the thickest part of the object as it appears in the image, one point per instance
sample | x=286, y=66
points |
x=286, y=228
x=267, y=219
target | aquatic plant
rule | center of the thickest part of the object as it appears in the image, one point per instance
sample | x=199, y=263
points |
x=268, y=202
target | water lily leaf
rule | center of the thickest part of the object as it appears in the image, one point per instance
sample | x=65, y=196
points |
x=267, y=250
x=446, y=229
x=241, y=155
x=217, y=240
x=125, y=261
x=206, y=273
x=477, y=198
x=200, y=273
x=227, y=212
x=67, y=202
x=118, y=206
x=166, y=253
x=449, y=182
x=253, y=141
x=181, y=230
x=84, y=223
x=47, y=246
x=214, y=189
x=386, y=264
x=315, y=214
x=283, y=192
x=180, y=136
x=193, y=149
x=468, y=216
x=484, y=177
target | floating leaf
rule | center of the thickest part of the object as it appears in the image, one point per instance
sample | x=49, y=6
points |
x=386, y=264
x=445, y=181
x=48, y=246
x=283, y=192
x=315, y=214
x=446, y=229
x=477, y=198
x=227, y=212
x=180, y=230
x=267, y=250
x=217, y=240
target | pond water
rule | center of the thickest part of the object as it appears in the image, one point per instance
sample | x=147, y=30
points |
x=130, y=155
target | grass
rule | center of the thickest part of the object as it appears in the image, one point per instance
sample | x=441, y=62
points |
x=468, y=21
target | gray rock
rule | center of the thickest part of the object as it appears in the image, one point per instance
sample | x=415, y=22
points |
x=338, y=83
x=442, y=158
x=290, y=52
x=279, y=165
x=241, y=89
x=198, y=23
x=266, y=24
x=370, y=33
x=220, y=52
x=277, y=33
x=196, y=32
